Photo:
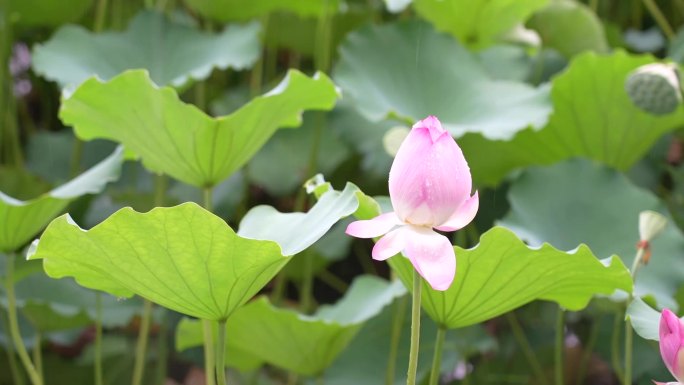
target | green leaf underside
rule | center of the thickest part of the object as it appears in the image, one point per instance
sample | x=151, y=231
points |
x=178, y=139
x=502, y=274
x=600, y=207
x=172, y=53
x=22, y=220
x=645, y=319
x=476, y=23
x=457, y=88
x=228, y=10
x=294, y=232
x=592, y=118
x=183, y=258
x=304, y=344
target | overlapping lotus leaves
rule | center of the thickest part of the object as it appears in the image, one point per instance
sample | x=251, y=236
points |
x=183, y=258
x=173, y=53
x=178, y=139
x=294, y=232
x=502, y=273
x=580, y=201
x=306, y=345
x=592, y=117
x=227, y=10
x=22, y=220
x=456, y=87
x=477, y=23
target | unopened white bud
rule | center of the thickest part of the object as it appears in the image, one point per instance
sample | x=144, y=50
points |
x=651, y=224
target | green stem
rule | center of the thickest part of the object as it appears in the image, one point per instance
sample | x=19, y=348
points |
x=593, y=4
x=17, y=376
x=333, y=281
x=100, y=13
x=306, y=294
x=18, y=342
x=206, y=199
x=658, y=16
x=162, y=350
x=629, y=336
x=615, y=346
x=38, y=354
x=8, y=116
x=437, y=357
x=256, y=77
x=200, y=95
x=141, y=345
x=161, y=183
x=415, y=330
x=99, y=378
x=209, y=356
x=220, y=353
x=588, y=351
x=560, y=346
x=398, y=314
x=525, y=346
x=76, y=155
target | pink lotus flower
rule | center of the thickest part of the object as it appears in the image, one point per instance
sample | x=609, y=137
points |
x=672, y=345
x=429, y=185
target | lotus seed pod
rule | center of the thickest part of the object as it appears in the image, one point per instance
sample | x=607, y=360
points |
x=654, y=88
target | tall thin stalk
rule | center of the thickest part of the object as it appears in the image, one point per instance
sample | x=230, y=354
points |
x=560, y=346
x=220, y=353
x=141, y=344
x=15, y=334
x=629, y=336
x=435, y=372
x=398, y=314
x=99, y=377
x=415, y=329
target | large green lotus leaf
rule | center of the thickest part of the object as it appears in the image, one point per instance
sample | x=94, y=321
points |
x=502, y=273
x=230, y=10
x=456, y=87
x=645, y=319
x=178, y=139
x=477, y=22
x=570, y=28
x=21, y=220
x=172, y=53
x=48, y=13
x=294, y=232
x=303, y=344
x=592, y=117
x=582, y=202
x=183, y=258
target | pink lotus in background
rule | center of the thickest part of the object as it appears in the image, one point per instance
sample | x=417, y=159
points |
x=429, y=185
x=672, y=345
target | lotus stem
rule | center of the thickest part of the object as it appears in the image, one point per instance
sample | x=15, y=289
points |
x=99, y=378
x=525, y=346
x=209, y=356
x=660, y=19
x=437, y=357
x=415, y=330
x=398, y=313
x=141, y=345
x=18, y=342
x=220, y=353
x=560, y=346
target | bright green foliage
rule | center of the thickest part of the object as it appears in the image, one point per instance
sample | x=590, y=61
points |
x=502, y=274
x=48, y=13
x=228, y=10
x=456, y=87
x=22, y=220
x=477, y=23
x=173, y=53
x=645, y=320
x=182, y=257
x=570, y=28
x=294, y=232
x=178, y=139
x=582, y=202
x=592, y=117
x=306, y=345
